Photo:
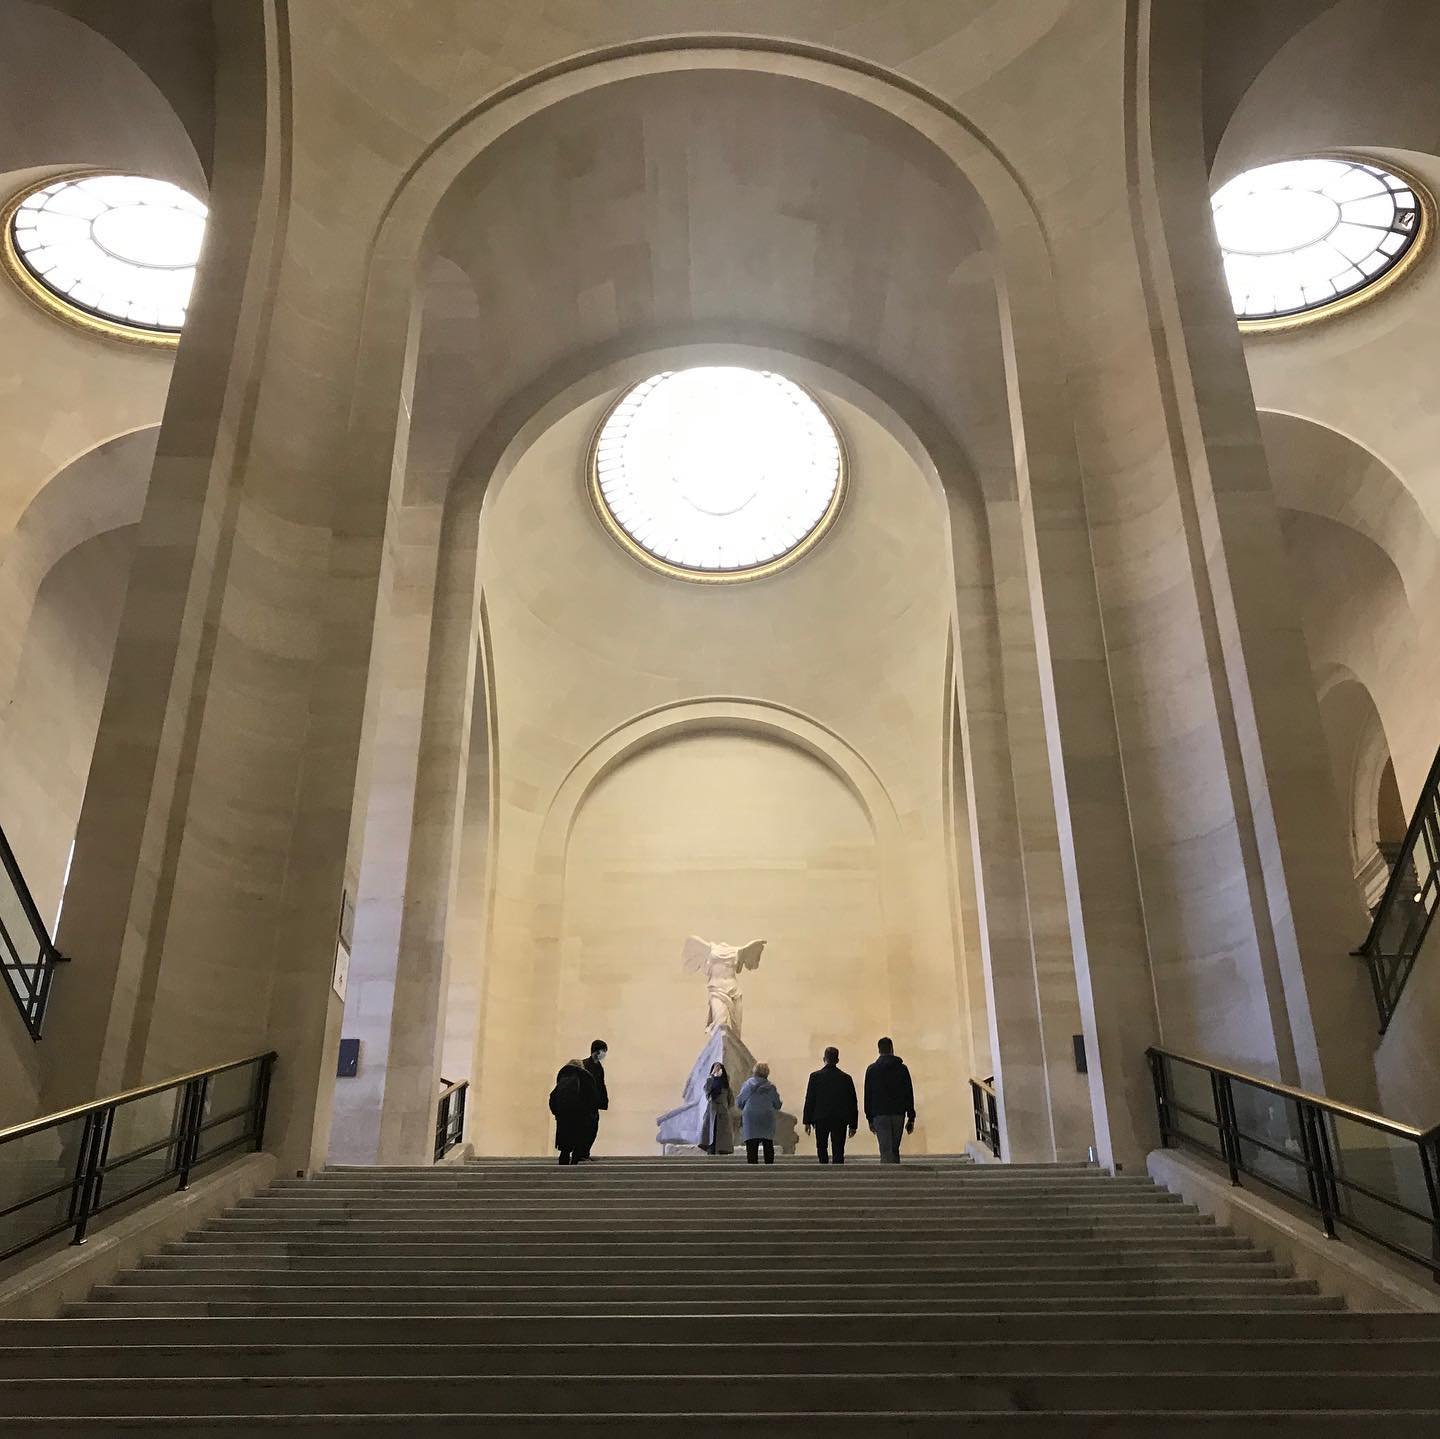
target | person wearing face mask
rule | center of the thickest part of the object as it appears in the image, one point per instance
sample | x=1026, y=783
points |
x=595, y=1068
x=717, y=1134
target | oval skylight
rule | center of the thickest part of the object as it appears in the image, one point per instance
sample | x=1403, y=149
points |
x=1301, y=235
x=118, y=248
x=717, y=472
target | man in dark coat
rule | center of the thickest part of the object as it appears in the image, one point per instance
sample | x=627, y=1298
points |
x=830, y=1108
x=575, y=1105
x=889, y=1101
x=595, y=1068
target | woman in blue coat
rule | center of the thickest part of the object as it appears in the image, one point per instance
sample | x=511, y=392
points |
x=759, y=1103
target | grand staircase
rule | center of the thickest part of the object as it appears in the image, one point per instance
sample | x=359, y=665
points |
x=700, y=1298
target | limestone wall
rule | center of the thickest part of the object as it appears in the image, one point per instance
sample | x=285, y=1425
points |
x=1407, y=1060
x=19, y=1068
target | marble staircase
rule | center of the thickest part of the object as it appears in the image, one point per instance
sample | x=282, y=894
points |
x=706, y=1297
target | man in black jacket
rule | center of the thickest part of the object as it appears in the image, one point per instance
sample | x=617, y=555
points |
x=595, y=1068
x=573, y=1102
x=830, y=1108
x=889, y=1101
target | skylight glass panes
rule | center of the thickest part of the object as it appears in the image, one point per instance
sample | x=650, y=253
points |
x=121, y=247
x=1299, y=235
x=718, y=471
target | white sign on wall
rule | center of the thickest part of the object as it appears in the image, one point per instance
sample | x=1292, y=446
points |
x=342, y=970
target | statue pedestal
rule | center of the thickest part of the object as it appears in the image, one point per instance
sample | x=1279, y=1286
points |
x=678, y=1130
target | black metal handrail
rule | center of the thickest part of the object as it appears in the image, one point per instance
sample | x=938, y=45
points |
x=987, y=1113
x=61, y=1170
x=1406, y=909
x=1374, y=1175
x=450, y=1117
x=28, y=955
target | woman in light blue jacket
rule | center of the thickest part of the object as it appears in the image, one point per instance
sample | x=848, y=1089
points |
x=759, y=1103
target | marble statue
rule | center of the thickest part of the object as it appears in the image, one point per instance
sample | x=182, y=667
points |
x=721, y=965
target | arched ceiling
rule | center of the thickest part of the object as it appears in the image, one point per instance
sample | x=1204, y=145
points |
x=1361, y=74
x=1241, y=38
x=172, y=41
x=1316, y=470
x=695, y=205
x=69, y=97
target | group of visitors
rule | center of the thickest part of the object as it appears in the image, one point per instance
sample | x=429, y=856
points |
x=831, y=1114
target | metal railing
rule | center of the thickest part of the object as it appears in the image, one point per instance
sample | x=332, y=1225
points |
x=27, y=954
x=1403, y=916
x=1355, y=1169
x=987, y=1113
x=450, y=1117
x=58, y=1172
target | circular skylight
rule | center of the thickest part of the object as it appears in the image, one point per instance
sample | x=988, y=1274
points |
x=717, y=472
x=120, y=249
x=1301, y=235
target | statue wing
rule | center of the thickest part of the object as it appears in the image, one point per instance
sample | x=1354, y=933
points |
x=695, y=954
x=749, y=954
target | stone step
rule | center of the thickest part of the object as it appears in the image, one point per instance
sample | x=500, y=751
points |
x=762, y=1280
x=1248, y=1323
x=878, y=1393
x=761, y=1198
x=524, y=1298
x=740, y=1419
x=969, y=1357
x=1093, y=1260
x=723, y=1284
x=891, y=1217
x=730, y=1179
x=120, y=1302
x=1119, y=1230
x=440, y=1248
x=681, y=1163
x=837, y=1222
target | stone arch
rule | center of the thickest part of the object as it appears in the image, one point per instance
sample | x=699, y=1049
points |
x=101, y=490
x=792, y=746
x=62, y=658
x=1042, y=493
x=401, y=236
x=125, y=120
x=458, y=581
x=1364, y=768
x=1349, y=520
x=1319, y=470
x=695, y=716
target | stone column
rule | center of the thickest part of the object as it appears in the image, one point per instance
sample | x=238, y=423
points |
x=1025, y=943
x=1292, y=835
x=1076, y=713
x=132, y=818
x=422, y=977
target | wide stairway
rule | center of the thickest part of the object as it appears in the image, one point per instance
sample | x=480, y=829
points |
x=699, y=1298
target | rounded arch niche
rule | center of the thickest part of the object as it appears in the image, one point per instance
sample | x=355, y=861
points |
x=712, y=815
x=734, y=834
